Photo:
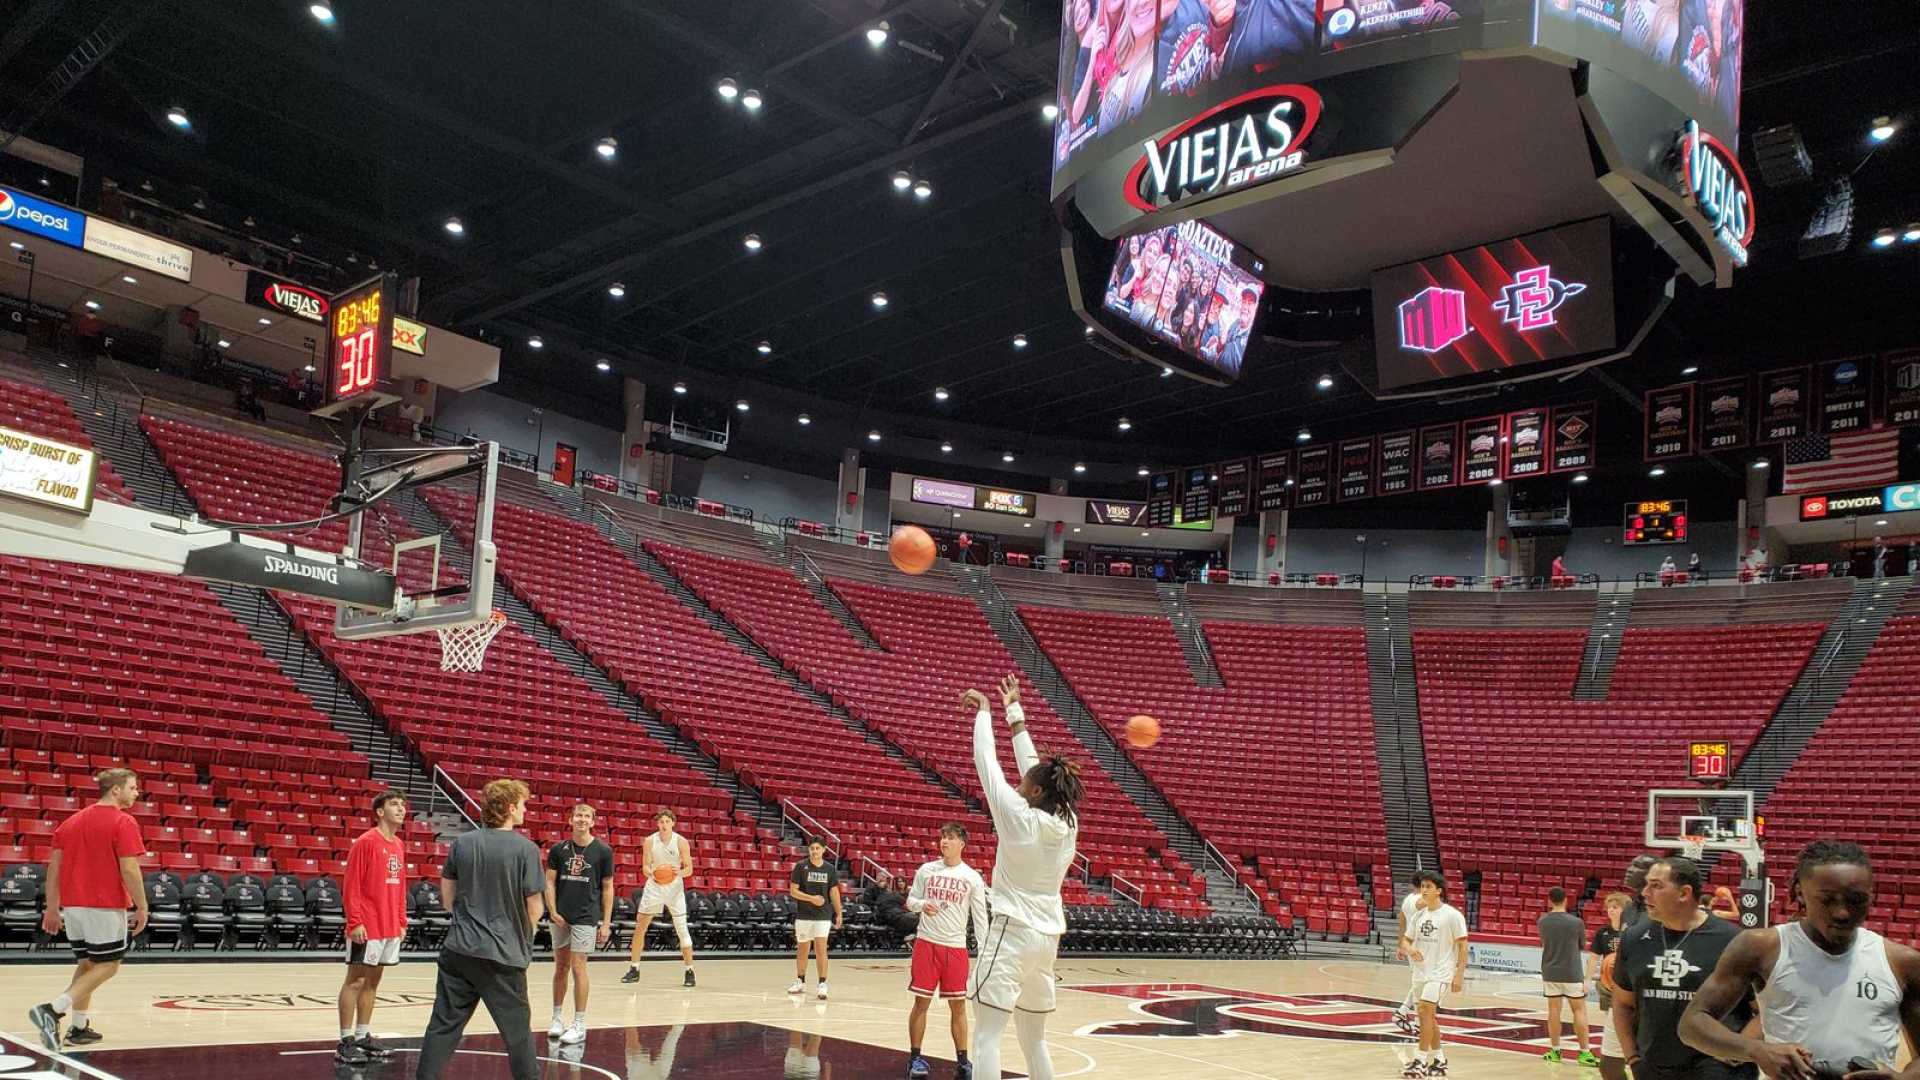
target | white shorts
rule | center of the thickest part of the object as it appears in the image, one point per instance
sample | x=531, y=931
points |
x=1432, y=991
x=375, y=952
x=799, y=1065
x=811, y=929
x=670, y=898
x=1015, y=968
x=96, y=934
x=1576, y=990
x=1609, y=1040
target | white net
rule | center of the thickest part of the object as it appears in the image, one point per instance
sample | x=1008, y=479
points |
x=1693, y=846
x=464, y=647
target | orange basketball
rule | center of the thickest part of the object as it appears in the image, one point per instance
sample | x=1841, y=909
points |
x=1142, y=731
x=664, y=875
x=1606, y=972
x=911, y=549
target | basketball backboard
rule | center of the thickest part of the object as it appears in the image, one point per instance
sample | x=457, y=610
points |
x=1692, y=821
x=431, y=592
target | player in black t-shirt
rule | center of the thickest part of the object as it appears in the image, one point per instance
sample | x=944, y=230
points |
x=1661, y=963
x=814, y=886
x=580, y=907
x=1606, y=940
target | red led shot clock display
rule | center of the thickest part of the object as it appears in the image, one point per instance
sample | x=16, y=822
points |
x=360, y=354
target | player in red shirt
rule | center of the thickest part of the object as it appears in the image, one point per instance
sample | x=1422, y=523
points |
x=376, y=902
x=92, y=878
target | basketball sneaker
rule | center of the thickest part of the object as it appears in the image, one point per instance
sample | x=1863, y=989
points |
x=963, y=1071
x=348, y=1052
x=374, y=1050
x=1408, y=1023
x=575, y=1033
x=47, y=1022
x=688, y=981
x=557, y=1028
x=1586, y=1058
x=83, y=1036
x=918, y=1069
x=799, y=987
x=821, y=990
x=1437, y=1067
x=1414, y=1070
x=1551, y=1057
x=632, y=975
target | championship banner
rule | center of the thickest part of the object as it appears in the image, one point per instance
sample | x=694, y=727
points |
x=1234, y=487
x=1196, y=494
x=1900, y=382
x=1395, y=457
x=1782, y=401
x=1160, y=500
x=1439, y=456
x=1273, y=482
x=1356, y=469
x=1726, y=413
x=1574, y=437
x=1669, y=423
x=1846, y=396
x=1481, y=460
x=1313, y=483
x=1526, y=443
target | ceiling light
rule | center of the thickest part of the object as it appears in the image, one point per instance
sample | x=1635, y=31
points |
x=617, y=290
x=1213, y=478
x=1885, y=238
x=322, y=12
x=16, y=245
x=1325, y=383
x=264, y=321
x=128, y=278
x=604, y=366
x=1579, y=478
x=1762, y=463
x=873, y=436
x=93, y=305
x=1657, y=471
x=1144, y=470
x=1690, y=369
x=765, y=348
x=752, y=242
x=1883, y=129
x=296, y=238
x=535, y=342
x=1124, y=424
x=879, y=299
x=751, y=99
x=225, y=344
x=247, y=221
x=1079, y=466
x=309, y=368
x=145, y=185
x=1087, y=330
x=201, y=204
x=902, y=180
x=1878, y=524
x=353, y=257
x=877, y=34
x=728, y=89
x=1303, y=436
x=1007, y=456
x=1076, y=528
x=177, y=116
x=940, y=393
x=1144, y=532
x=1019, y=341
x=680, y=388
x=1166, y=373
x=1050, y=111
x=804, y=419
x=1495, y=482
x=1912, y=235
x=922, y=189
x=373, y=264
x=455, y=226
x=608, y=148
x=742, y=405
x=1289, y=481
x=946, y=448
x=1026, y=524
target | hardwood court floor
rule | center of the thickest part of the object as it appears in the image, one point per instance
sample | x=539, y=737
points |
x=1186, y=1019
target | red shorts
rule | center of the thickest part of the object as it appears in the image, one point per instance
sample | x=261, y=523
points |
x=938, y=970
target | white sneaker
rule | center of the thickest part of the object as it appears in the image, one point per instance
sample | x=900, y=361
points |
x=557, y=1028
x=799, y=987
x=821, y=993
x=574, y=1034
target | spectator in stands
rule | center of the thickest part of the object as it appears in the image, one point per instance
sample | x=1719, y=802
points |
x=493, y=885
x=92, y=878
x=1662, y=963
x=664, y=850
x=889, y=904
x=247, y=400
x=579, y=898
x=1437, y=943
x=1693, y=566
x=1880, y=553
x=1667, y=570
x=1560, y=566
x=813, y=883
x=1835, y=994
x=1606, y=940
x=375, y=899
x=1562, y=977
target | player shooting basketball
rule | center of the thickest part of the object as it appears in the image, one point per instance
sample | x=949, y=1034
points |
x=1038, y=833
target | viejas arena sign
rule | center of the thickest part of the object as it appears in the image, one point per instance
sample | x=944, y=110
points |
x=1719, y=189
x=286, y=298
x=1238, y=143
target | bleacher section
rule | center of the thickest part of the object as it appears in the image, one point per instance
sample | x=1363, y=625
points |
x=1086, y=592
x=1729, y=605
x=1231, y=759
x=1495, y=610
x=1298, y=607
x=871, y=566
x=39, y=411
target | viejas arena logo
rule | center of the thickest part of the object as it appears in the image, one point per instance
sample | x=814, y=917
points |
x=1249, y=139
x=297, y=301
x=1719, y=188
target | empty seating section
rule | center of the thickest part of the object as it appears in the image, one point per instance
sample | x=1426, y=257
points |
x=935, y=647
x=743, y=715
x=849, y=562
x=39, y=411
x=1307, y=607
x=1498, y=610
x=1276, y=769
x=1087, y=592
x=1547, y=790
x=682, y=527
x=524, y=716
x=1719, y=605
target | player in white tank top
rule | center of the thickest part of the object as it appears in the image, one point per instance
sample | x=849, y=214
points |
x=664, y=848
x=1830, y=991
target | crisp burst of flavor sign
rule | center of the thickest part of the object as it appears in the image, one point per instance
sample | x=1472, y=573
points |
x=46, y=471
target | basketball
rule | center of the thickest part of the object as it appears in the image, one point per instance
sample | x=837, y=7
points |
x=1142, y=731
x=911, y=549
x=1606, y=972
x=664, y=875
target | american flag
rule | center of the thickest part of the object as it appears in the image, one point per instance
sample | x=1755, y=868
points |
x=1833, y=462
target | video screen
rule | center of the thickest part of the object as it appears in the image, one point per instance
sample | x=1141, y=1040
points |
x=1355, y=24
x=1186, y=284
x=1687, y=51
x=1503, y=305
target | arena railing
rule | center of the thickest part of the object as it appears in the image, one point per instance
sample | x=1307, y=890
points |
x=1125, y=889
x=443, y=783
x=807, y=826
x=1225, y=866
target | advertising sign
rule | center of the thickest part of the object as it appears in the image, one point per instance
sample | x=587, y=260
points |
x=38, y=217
x=46, y=471
x=287, y=298
x=138, y=249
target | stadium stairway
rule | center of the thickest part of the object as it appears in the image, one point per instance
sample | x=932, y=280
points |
x=1223, y=892
x=1186, y=627
x=1826, y=676
x=1412, y=843
x=766, y=815
x=803, y=565
x=113, y=425
x=1603, y=646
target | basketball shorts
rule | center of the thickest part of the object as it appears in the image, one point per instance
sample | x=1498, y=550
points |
x=656, y=898
x=800, y=1065
x=1575, y=990
x=579, y=938
x=1432, y=991
x=375, y=952
x=938, y=970
x=811, y=929
x=1610, y=1040
x=96, y=934
x=1016, y=967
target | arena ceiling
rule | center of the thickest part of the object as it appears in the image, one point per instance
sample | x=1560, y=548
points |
x=363, y=138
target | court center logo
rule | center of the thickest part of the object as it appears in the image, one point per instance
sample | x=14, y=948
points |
x=278, y=1002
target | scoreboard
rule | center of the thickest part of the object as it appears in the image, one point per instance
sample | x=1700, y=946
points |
x=1655, y=521
x=360, y=345
x=1707, y=760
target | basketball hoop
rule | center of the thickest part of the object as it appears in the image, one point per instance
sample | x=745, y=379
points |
x=464, y=647
x=1693, y=846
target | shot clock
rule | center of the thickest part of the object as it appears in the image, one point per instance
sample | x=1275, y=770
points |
x=1707, y=761
x=360, y=346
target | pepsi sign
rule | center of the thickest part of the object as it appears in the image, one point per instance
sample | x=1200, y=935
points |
x=40, y=218
x=1719, y=189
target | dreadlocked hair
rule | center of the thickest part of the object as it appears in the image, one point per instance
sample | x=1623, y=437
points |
x=1060, y=788
x=1829, y=853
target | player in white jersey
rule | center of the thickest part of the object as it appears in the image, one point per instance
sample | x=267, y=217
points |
x=1038, y=832
x=1406, y=1015
x=1436, y=942
x=947, y=894
x=664, y=850
x=1833, y=995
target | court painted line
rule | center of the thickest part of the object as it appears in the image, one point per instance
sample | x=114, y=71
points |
x=1091, y=1061
x=34, y=1047
x=1137, y=1048
x=477, y=1053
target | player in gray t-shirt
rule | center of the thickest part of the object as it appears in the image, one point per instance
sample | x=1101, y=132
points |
x=1563, y=973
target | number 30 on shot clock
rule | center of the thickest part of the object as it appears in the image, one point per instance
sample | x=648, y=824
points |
x=360, y=349
x=1707, y=760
